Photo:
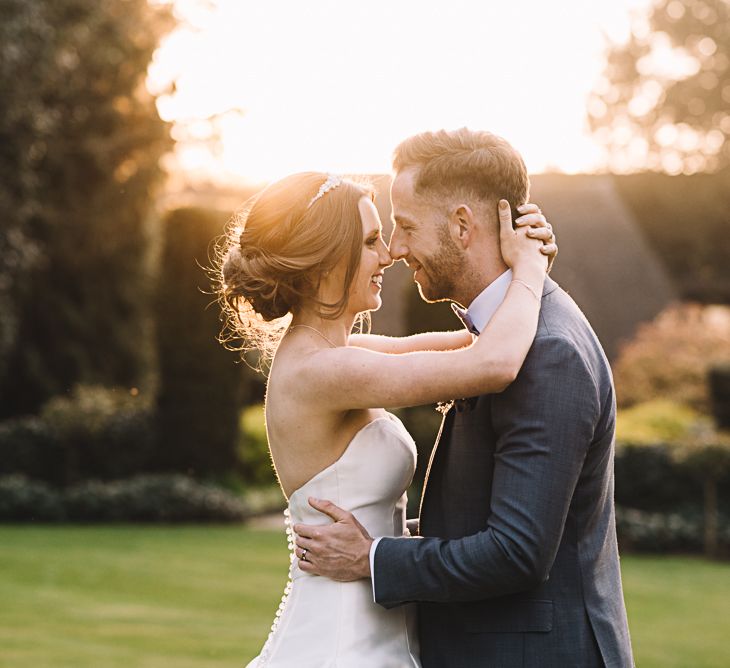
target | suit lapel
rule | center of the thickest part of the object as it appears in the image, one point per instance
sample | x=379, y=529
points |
x=444, y=430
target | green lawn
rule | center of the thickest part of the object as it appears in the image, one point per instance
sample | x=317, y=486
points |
x=203, y=597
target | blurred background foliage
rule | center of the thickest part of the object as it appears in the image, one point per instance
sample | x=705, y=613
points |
x=80, y=142
x=670, y=358
x=642, y=110
x=200, y=389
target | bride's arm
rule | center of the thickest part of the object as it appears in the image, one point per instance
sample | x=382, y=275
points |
x=345, y=378
x=397, y=345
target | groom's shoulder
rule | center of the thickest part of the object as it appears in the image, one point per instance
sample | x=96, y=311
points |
x=561, y=317
x=564, y=332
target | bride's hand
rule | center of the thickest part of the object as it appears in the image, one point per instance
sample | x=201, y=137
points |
x=539, y=228
x=521, y=247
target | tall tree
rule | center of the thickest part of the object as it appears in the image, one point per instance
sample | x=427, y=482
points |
x=664, y=100
x=80, y=144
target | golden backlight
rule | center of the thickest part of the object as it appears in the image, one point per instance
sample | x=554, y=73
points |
x=334, y=86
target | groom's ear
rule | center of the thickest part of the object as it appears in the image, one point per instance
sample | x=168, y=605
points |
x=461, y=225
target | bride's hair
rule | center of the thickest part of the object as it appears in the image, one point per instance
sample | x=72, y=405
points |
x=464, y=162
x=276, y=250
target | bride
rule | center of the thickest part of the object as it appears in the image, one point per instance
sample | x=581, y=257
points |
x=311, y=245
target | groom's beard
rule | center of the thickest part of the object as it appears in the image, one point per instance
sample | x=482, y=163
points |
x=441, y=271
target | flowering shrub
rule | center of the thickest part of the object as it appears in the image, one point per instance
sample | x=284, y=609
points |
x=671, y=357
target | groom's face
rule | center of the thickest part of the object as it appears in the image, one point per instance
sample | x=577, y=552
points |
x=421, y=238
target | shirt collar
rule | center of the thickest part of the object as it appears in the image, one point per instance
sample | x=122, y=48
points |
x=485, y=304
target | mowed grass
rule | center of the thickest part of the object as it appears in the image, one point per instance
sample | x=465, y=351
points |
x=194, y=597
x=679, y=611
x=137, y=596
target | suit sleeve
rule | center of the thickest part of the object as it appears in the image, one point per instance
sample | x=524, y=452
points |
x=545, y=422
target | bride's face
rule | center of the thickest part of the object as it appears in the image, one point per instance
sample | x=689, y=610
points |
x=375, y=257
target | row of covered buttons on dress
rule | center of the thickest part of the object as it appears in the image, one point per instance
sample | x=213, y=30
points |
x=266, y=651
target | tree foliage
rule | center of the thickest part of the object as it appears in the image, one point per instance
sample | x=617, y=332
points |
x=201, y=388
x=670, y=357
x=664, y=100
x=80, y=143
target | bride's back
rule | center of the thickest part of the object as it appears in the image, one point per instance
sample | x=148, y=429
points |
x=304, y=436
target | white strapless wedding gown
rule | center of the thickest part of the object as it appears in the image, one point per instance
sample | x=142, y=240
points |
x=322, y=623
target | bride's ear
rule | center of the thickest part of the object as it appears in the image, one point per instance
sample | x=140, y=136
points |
x=461, y=226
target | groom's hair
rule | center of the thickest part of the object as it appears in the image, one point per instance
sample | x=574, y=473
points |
x=464, y=162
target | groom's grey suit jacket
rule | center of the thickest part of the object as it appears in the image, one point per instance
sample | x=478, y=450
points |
x=518, y=563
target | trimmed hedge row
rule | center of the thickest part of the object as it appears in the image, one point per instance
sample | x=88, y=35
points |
x=653, y=479
x=95, y=432
x=175, y=498
x=144, y=498
x=644, y=531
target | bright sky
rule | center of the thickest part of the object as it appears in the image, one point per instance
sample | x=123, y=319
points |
x=335, y=85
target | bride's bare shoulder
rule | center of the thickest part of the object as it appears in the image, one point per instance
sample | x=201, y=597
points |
x=294, y=369
x=295, y=361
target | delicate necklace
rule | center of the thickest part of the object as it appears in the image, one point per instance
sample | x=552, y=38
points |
x=314, y=330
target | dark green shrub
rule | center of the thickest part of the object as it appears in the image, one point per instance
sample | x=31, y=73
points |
x=23, y=500
x=670, y=456
x=649, y=478
x=664, y=532
x=129, y=438
x=146, y=498
x=719, y=382
x=201, y=386
x=152, y=498
x=28, y=447
x=706, y=457
x=103, y=433
x=95, y=432
x=253, y=448
x=691, y=479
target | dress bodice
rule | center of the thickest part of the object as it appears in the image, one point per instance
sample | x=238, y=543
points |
x=369, y=479
x=324, y=623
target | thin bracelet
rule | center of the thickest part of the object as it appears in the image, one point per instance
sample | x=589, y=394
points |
x=528, y=286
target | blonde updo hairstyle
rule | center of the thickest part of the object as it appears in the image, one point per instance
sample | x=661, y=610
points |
x=276, y=251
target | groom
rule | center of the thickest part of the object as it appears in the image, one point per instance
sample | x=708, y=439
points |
x=515, y=560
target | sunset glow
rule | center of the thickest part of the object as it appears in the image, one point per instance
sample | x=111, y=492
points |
x=334, y=86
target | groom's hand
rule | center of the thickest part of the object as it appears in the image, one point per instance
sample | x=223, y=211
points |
x=340, y=551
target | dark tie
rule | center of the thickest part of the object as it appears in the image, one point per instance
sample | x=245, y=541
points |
x=464, y=316
x=463, y=405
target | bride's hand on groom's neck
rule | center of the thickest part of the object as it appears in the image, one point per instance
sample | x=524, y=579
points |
x=520, y=250
x=538, y=226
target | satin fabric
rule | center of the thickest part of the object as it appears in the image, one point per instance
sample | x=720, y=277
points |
x=322, y=623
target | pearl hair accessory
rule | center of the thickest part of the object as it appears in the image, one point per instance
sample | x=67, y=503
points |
x=330, y=184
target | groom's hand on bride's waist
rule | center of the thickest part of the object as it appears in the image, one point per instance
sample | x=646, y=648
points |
x=340, y=551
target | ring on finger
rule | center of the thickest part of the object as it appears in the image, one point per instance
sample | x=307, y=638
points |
x=304, y=554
